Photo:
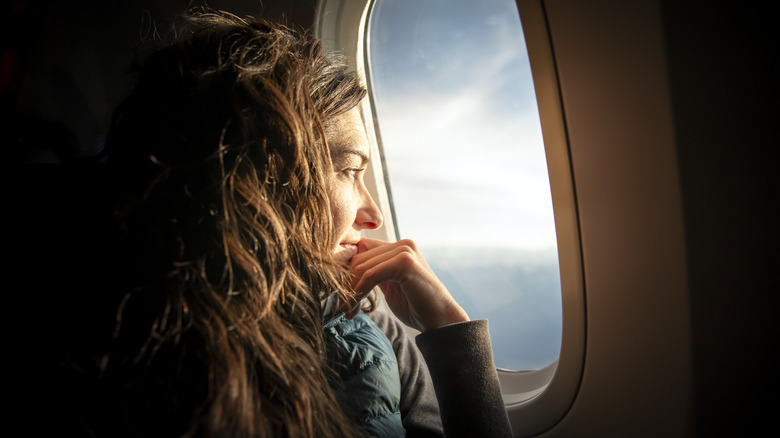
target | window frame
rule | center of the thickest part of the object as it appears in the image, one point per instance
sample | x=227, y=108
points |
x=535, y=400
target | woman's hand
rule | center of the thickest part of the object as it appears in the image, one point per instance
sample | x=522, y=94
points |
x=411, y=289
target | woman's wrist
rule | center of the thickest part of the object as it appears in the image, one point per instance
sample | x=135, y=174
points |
x=452, y=315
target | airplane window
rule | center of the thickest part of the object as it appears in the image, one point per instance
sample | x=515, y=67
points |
x=462, y=144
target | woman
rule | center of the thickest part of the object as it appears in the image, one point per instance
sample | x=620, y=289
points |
x=238, y=161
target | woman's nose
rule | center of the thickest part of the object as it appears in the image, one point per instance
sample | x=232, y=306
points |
x=369, y=217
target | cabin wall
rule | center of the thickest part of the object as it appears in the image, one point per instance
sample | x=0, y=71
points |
x=668, y=112
x=74, y=61
x=611, y=68
x=723, y=76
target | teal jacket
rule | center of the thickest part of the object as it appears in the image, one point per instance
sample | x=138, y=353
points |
x=366, y=374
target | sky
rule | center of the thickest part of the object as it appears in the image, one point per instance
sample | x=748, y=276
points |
x=463, y=147
x=459, y=124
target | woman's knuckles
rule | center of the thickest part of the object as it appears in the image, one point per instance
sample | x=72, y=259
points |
x=408, y=243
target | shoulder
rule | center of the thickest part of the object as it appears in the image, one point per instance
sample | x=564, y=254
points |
x=359, y=350
x=360, y=334
x=366, y=372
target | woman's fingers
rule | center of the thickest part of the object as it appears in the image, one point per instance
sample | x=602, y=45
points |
x=412, y=290
x=386, y=267
x=368, y=248
x=366, y=244
x=401, y=257
x=352, y=306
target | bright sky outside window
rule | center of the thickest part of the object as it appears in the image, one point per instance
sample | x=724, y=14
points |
x=463, y=145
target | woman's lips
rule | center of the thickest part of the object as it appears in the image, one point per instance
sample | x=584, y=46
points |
x=351, y=247
x=346, y=251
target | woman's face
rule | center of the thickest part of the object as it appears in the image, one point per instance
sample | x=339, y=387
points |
x=352, y=207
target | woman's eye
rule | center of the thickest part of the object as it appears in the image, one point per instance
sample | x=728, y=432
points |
x=352, y=173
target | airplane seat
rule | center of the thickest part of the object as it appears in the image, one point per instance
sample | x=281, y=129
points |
x=37, y=140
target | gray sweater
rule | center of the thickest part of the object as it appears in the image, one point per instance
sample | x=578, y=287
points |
x=449, y=384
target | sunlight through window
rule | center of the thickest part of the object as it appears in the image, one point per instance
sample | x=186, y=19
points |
x=462, y=143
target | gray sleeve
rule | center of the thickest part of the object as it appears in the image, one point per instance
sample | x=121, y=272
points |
x=460, y=360
x=419, y=407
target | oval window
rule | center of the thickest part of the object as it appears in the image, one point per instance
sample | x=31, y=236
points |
x=462, y=143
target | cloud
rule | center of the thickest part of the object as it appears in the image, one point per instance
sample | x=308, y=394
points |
x=478, y=168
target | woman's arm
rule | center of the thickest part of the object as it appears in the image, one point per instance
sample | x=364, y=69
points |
x=460, y=360
x=457, y=352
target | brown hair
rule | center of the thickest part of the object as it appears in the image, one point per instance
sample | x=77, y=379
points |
x=226, y=228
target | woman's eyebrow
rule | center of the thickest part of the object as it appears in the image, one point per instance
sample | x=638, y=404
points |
x=343, y=153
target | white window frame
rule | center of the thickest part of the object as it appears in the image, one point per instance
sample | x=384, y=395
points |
x=535, y=400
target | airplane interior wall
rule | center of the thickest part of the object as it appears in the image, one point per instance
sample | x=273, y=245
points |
x=723, y=76
x=615, y=97
x=668, y=108
x=669, y=111
x=73, y=60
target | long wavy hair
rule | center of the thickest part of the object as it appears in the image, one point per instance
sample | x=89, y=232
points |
x=221, y=166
